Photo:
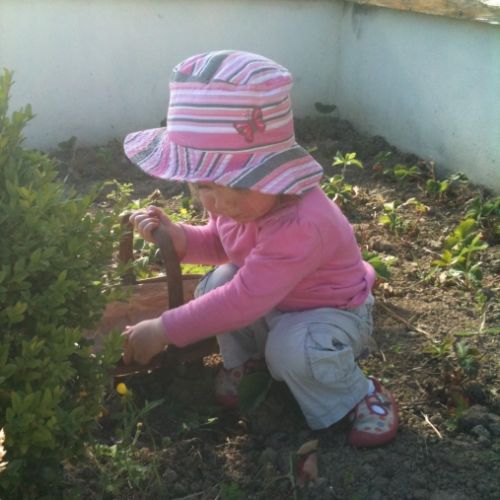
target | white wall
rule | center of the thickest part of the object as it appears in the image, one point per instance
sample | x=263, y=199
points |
x=97, y=69
x=430, y=85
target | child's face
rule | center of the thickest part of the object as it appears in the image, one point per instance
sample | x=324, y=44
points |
x=242, y=205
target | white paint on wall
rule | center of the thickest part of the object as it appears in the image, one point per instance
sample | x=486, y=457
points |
x=97, y=69
x=429, y=85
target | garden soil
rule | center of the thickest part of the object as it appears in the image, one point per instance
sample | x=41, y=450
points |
x=437, y=353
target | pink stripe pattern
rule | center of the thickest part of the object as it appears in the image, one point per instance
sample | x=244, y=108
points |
x=229, y=121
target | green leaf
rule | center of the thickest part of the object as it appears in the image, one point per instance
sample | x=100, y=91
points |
x=253, y=390
x=381, y=267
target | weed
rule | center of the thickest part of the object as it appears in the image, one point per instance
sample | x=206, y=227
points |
x=460, y=403
x=106, y=155
x=131, y=417
x=440, y=349
x=66, y=157
x=467, y=357
x=397, y=348
x=194, y=422
x=231, y=491
x=120, y=464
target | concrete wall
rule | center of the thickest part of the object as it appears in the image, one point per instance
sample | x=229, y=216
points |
x=430, y=85
x=97, y=69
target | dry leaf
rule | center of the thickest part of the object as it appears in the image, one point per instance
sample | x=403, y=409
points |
x=308, y=447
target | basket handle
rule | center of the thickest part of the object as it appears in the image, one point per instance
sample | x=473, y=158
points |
x=172, y=268
x=175, y=299
x=169, y=256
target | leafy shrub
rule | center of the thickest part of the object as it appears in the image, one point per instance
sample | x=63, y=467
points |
x=54, y=254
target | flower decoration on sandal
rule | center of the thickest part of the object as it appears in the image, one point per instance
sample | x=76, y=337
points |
x=374, y=419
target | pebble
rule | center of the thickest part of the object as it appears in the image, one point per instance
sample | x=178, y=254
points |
x=368, y=470
x=170, y=476
x=481, y=432
x=475, y=415
x=179, y=489
x=448, y=495
x=495, y=429
x=268, y=456
x=380, y=483
x=420, y=494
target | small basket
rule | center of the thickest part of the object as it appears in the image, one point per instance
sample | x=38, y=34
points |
x=149, y=298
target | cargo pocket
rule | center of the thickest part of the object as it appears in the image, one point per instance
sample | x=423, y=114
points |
x=330, y=360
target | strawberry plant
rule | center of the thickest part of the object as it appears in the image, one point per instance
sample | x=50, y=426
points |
x=440, y=188
x=486, y=212
x=381, y=265
x=459, y=261
x=391, y=219
x=347, y=160
x=335, y=187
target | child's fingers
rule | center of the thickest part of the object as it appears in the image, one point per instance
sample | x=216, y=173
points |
x=159, y=213
x=146, y=227
x=135, y=215
x=127, y=355
x=154, y=210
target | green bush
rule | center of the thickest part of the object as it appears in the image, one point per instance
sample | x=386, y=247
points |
x=55, y=251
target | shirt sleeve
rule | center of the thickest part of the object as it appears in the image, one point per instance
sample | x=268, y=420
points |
x=203, y=244
x=282, y=257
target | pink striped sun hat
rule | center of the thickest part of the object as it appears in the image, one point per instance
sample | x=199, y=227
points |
x=230, y=122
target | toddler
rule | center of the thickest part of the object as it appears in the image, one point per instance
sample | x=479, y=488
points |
x=290, y=287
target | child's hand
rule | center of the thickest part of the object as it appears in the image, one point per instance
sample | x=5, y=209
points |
x=146, y=222
x=143, y=340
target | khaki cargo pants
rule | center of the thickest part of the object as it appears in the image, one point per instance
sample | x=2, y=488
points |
x=314, y=352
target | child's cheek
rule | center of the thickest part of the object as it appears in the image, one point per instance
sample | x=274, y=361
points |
x=207, y=201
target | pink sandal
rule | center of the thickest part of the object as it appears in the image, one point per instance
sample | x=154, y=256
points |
x=374, y=419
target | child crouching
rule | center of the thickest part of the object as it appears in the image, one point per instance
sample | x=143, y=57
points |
x=290, y=288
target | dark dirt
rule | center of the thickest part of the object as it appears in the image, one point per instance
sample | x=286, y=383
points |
x=448, y=445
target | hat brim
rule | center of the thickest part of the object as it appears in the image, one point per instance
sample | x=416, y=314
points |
x=289, y=169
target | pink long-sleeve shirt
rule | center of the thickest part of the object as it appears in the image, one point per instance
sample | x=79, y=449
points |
x=302, y=255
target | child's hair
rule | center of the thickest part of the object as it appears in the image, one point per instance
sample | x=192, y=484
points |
x=229, y=122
